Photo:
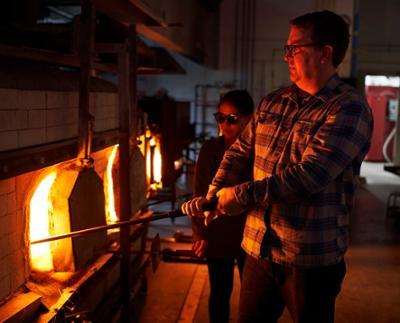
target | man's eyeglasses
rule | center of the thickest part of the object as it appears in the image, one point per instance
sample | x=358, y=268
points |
x=290, y=50
x=230, y=118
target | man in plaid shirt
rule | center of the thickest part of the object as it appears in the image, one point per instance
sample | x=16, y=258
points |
x=306, y=143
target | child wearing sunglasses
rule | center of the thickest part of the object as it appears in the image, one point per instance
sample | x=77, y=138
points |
x=220, y=240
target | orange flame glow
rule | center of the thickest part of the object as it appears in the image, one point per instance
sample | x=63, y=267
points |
x=157, y=162
x=111, y=215
x=40, y=207
x=154, y=164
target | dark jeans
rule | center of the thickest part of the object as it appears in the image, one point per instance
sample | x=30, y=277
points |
x=221, y=272
x=309, y=294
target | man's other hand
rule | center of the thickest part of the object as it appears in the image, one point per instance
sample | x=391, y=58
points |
x=228, y=203
x=193, y=207
x=199, y=248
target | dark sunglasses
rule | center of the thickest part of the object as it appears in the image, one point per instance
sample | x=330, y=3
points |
x=230, y=118
x=290, y=50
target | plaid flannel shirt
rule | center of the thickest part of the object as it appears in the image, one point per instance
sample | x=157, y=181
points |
x=305, y=162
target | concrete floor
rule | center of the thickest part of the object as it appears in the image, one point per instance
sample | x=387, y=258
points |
x=371, y=289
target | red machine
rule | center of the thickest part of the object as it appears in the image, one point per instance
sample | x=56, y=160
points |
x=379, y=99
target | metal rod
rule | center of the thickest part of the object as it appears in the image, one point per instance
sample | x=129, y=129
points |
x=208, y=206
x=172, y=214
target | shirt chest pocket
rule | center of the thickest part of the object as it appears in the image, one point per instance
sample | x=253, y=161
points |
x=303, y=132
x=267, y=126
x=306, y=127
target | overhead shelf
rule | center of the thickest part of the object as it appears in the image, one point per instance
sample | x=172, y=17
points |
x=129, y=12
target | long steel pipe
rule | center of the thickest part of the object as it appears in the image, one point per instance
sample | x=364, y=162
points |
x=122, y=224
x=172, y=214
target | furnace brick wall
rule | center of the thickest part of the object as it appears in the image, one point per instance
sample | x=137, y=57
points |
x=14, y=198
x=29, y=118
x=12, y=260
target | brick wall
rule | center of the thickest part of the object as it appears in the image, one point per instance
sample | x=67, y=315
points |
x=14, y=196
x=12, y=262
x=40, y=109
x=29, y=118
x=35, y=117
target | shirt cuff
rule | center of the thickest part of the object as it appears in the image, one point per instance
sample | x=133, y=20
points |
x=245, y=194
x=212, y=191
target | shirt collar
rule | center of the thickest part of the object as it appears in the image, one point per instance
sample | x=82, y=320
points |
x=323, y=94
x=326, y=93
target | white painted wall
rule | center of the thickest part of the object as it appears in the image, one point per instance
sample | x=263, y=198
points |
x=378, y=50
x=271, y=29
x=375, y=37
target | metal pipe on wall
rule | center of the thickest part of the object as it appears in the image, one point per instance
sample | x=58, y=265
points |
x=252, y=42
x=235, y=43
x=86, y=45
x=248, y=43
x=356, y=27
x=132, y=36
x=242, y=43
x=124, y=91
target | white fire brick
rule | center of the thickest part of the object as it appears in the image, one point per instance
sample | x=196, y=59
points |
x=61, y=132
x=23, y=185
x=17, y=258
x=5, y=286
x=92, y=102
x=13, y=120
x=7, y=186
x=57, y=117
x=21, y=217
x=8, y=140
x=37, y=118
x=104, y=124
x=5, y=225
x=105, y=111
x=99, y=124
x=14, y=240
x=32, y=99
x=105, y=98
x=4, y=265
x=113, y=123
x=62, y=99
x=15, y=266
x=11, y=202
x=4, y=246
x=8, y=99
x=3, y=205
x=17, y=278
x=31, y=137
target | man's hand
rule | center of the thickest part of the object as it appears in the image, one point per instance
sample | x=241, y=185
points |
x=193, y=207
x=228, y=203
x=210, y=215
x=199, y=248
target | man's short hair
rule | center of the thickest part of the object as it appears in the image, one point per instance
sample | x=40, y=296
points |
x=327, y=28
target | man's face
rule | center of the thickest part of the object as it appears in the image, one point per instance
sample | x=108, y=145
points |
x=303, y=62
